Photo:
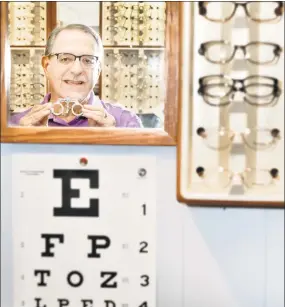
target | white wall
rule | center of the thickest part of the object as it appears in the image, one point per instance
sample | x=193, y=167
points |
x=75, y=12
x=206, y=257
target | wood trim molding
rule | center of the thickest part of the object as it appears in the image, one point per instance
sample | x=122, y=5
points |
x=52, y=16
x=172, y=63
x=4, y=67
x=108, y=136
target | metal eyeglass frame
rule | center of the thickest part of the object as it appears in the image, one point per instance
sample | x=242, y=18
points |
x=273, y=172
x=70, y=105
x=274, y=132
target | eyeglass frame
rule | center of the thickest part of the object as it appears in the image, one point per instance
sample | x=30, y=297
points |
x=75, y=57
x=32, y=96
x=273, y=172
x=204, y=46
x=70, y=104
x=276, y=92
x=278, y=12
x=31, y=85
x=233, y=134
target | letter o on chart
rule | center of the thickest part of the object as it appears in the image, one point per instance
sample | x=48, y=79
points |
x=76, y=281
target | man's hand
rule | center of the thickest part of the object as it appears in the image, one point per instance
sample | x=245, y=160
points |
x=37, y=116
x=98, y=116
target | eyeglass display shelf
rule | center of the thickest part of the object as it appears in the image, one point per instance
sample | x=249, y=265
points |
x=136, y=82
x=28, y=47
x=29, y=73
x=145, y=19
x=214, y=168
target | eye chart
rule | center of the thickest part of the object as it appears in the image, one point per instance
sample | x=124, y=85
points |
x=84, y=230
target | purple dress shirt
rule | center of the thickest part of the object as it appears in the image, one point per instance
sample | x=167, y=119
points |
x=123, y=117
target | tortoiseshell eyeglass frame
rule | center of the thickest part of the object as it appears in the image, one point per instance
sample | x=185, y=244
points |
x=278, y=11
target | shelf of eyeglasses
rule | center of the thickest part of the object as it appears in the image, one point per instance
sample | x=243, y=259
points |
x=257, y=139
x=257, y=11
x=147, y=86
x=256, y=52
x=131, y=23
x=134, y=61
x=26, y=66
x=141, y=81
x=26, y=56
x=27, y=23
x=21, y=74
x=25, y=100
x=26, y=77
x=25, y=11
x=27, y=71
x=258, y=90
x=26, y=38
x=134, y=9
x=134, y=36
x=23, y=87
x=20, y=103
x=136, y=100
x=221, y=180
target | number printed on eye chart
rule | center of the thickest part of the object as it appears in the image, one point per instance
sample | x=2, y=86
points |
x=84, y=235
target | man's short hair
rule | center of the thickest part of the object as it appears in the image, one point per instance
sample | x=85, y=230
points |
x=80, y=27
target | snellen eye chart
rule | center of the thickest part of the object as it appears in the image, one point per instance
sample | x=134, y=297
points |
x=84, y=230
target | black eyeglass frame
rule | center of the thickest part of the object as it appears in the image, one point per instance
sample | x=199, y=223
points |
x=203, y=86
x=75, y=56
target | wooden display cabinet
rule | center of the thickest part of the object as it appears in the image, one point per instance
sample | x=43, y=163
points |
x=142, y=74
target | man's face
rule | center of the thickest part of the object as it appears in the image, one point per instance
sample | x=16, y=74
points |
x=73, y=80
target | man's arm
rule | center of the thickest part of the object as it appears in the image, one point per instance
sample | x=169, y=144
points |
x=129, y=119
x=14, y=119
x=134, y=121
x=124, y=118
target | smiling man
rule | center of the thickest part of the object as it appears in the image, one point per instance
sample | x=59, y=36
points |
x=72, y=65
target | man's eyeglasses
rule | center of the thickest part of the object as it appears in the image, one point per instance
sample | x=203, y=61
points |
x=68, y=58
x=258, y=53
x=256, y=11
